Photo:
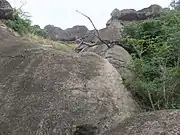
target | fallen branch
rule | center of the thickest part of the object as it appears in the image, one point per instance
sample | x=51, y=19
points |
x=98, y=36
x=83, y=45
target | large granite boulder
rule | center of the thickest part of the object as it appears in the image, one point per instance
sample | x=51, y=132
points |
x=118, y=57
x=132, y=14
x=69, y=34
x=56, y=33
x=152, y=10
x=90, y=36
x=49, y=92
x=165, y=122
x=119, y=18
x=77, y=31
x=6, y=10
x=108, y=34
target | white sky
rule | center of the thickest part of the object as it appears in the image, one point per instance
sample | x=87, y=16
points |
x=62, y=13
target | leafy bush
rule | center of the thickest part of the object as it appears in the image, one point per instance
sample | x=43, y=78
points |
x=22, y=24
x=155, y=47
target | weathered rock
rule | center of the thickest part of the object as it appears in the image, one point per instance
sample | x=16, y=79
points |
x=132, y=14
x=125, y=14
x=77, y=31
x=166, y=122
x=57, y=33
x=43, y=91
x=69, y=34
x=115, y=13
x=90, y=36
x=119, y=18
x=6, y=11
x=3, y=26
x=151, y=10
x=36, y=27
x=128, y=15
x=108, y=34
x=118, y=57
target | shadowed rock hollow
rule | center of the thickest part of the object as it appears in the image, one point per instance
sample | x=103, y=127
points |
x=43, y=91
x=165, y=122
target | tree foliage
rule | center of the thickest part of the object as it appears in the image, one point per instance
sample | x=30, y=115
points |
x=175, y=4
x=155, y=47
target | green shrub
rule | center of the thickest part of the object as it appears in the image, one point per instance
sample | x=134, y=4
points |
x=155, y=47
x=22, y=24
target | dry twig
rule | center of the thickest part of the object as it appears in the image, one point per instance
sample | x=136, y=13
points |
x=98, y=36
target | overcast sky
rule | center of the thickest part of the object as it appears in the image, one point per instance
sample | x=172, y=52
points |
x=62, y=13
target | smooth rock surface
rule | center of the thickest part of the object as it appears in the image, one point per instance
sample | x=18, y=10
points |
x=165, y=122
x=118, y=57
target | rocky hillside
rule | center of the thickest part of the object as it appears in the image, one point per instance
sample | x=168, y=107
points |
x=46, y=91
x=52, y=92
x=119, y=18
x=69, y=34
x=114, y=25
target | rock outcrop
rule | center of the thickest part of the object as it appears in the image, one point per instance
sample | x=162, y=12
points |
x=166, y=122
x=77, y=31
x=36, y=27
x=113, y=29
x=6, y=11
x=69, y=34
x=56, y=33
x=133, y=15
x=44, y=91
x=119, y=18
x=118, y=57
x=151, y=11
x=90, y=36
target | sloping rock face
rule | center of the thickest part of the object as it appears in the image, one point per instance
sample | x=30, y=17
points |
x=69, y=34
x=6, y=10
x=118, y=57
x=166, y=122
x=111, y=33
x=43, y=91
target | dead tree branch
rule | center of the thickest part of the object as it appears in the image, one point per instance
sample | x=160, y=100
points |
x=23, y=3
x=83, y=45
x=98, y=36
x=90, y=21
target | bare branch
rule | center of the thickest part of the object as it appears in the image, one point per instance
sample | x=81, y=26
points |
x=90, y=21
x=98, y=36
x=23, y=3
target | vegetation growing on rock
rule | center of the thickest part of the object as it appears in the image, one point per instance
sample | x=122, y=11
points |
x=155, y=47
